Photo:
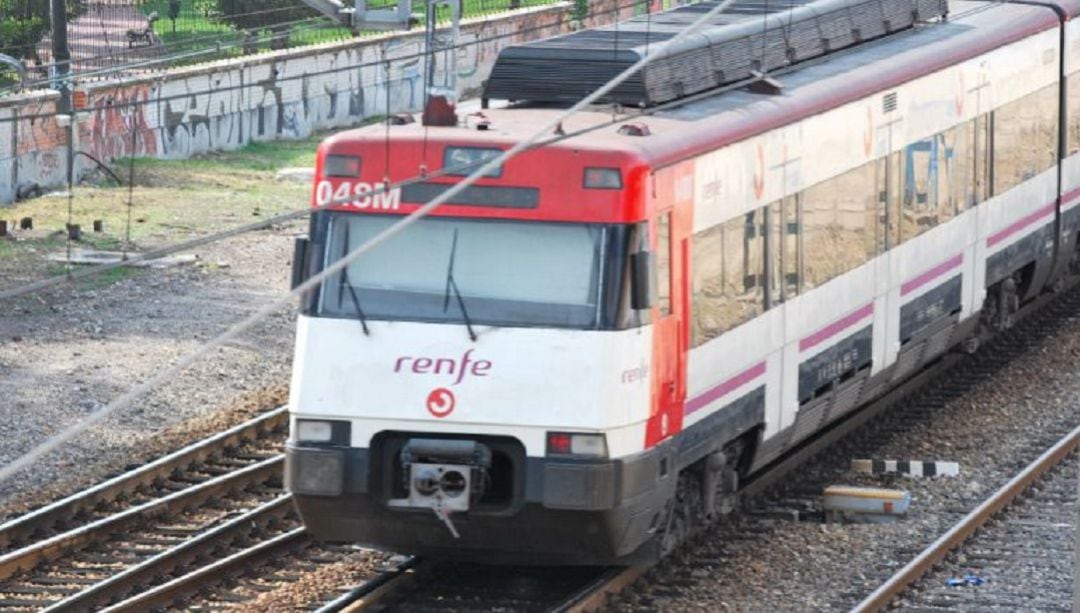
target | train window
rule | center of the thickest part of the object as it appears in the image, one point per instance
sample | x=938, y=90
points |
x=728, y=271
x=957, y=171
x=663, y=263
x=782, y=250
x=926, y=195
x=1025, y=138
x=838, y=223
x=774, y=238
x=919, y=180
x=1073, y=110
x=980, y=139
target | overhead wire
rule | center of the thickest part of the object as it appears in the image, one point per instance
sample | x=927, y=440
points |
x=50, y=282
x=514, y=33
x=168, y=373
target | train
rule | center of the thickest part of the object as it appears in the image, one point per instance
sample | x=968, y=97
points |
x=579, y=358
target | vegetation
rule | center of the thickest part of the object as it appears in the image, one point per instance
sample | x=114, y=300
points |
x=172, y=201
x=23, y=23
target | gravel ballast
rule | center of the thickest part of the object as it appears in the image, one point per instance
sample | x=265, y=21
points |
x=762, y=562
x=69, y=352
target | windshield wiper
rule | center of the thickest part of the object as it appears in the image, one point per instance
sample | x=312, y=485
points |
x=452, y=284
x=352, y=290
x=355, y=301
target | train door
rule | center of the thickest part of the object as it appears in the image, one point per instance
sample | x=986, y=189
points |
x=671, y=244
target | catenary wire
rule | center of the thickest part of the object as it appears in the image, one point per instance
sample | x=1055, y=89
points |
x=168, y=373
x=330, y=71
x=452, y=171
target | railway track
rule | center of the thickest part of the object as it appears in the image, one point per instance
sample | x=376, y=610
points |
x=789, y=492
x=164, y=534
x=421, y=585
x=210, y=499
x=1026, y=545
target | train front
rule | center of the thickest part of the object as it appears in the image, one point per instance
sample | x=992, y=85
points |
x=477, y=386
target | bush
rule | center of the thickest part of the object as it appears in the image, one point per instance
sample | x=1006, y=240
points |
x=23, y=23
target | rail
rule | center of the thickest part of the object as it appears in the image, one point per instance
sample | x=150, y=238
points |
x=925, y=561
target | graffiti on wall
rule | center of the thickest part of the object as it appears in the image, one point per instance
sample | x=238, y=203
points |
x=288, y=95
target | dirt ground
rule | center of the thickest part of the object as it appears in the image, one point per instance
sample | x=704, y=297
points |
x=69, y=351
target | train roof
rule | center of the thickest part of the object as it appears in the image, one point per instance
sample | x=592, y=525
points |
x=744, y=37
x=706, y=123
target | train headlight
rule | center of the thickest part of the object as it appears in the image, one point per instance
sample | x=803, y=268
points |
x=341, y=166
x=313, y=431
x=603, y=178
x=317, y=472
x=577, y=444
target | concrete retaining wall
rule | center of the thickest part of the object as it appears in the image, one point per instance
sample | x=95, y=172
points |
x=287, y=94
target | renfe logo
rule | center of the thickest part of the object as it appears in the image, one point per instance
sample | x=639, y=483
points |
x=440, y=402
x=358, y=194
x=444, y=366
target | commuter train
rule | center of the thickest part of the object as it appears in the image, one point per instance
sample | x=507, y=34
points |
x=579, y=358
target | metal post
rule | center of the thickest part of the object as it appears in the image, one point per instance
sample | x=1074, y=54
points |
x=61, y=53
x=429, y=48
x=62, y=83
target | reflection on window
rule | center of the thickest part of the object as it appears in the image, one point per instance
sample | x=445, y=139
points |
x=1073, y=110
x=782, y=250
x=838, y=221
x=1025, y=138
x=728, y=271
x=509, y=273
x=930, y=169
x=663, y=263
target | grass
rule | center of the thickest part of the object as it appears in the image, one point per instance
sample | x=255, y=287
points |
x=171, y=201
x=199, y=27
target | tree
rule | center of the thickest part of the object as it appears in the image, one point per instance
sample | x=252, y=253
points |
x=23, y=25
x=261, y=14
x=174, y=12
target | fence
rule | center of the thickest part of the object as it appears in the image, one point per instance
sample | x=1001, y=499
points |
x=112, y=38
x=287, y=94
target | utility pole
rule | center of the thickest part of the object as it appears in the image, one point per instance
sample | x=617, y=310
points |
x=62, y=83
x=61, y=53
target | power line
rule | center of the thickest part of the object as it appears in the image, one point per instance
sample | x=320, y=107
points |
x=452, y=171
x=168, y=373
x=350, y=67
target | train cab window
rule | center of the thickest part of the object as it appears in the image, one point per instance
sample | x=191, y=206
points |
x=838, y=220
x=663, y=263
x=458, y=270
x=1025, y=138
x=1073, y=111
x=728, y=276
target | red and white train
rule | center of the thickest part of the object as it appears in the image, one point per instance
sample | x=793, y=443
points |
x=579, y=358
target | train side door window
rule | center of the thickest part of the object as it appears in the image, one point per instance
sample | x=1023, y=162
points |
x=1072, y=93
x=663, y=263
x=981, y=158
x=957, y=172
x=782, y=250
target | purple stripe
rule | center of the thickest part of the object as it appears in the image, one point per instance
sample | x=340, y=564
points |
x=836, y=327
x=1069, y=199
x=931, y=274
x=1020, y=224
x=725, y=388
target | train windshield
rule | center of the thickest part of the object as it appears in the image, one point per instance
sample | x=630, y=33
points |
x=511, y=273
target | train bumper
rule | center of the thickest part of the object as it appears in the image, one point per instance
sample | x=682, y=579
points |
x=557, y=512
